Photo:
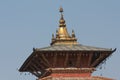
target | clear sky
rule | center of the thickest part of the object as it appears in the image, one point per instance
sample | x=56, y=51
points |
x=25, y=24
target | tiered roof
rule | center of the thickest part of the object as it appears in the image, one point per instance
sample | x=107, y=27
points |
x=65, y=52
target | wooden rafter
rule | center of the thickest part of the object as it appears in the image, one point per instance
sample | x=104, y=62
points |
x=39, y=67
x=42, y=63
x=38, y=64
x=97, y=60
x=46, y=61
x=104, y=58
x=44, y=74
x=33, y=71
x=27, y=65
x=36, y=67
x=41, y=60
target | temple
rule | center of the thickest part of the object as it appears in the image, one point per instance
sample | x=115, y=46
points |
x=65, y=58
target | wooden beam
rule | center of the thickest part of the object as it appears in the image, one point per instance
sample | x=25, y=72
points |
x=34, y=67
x=105, y=55
x=43, y=64
x=33, y=71
x=41, y=60
x=66, y=60
x=55, y=59
x=97, y=60
x=38, y=64
x=78, y=60
x=36, y=70
x=90, y=58
x=43, y=74
x=46, y=61
x=27, y=64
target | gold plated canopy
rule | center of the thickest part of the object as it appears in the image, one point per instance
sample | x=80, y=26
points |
x=62, y=35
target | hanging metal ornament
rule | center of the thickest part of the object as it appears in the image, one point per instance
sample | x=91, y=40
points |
x=21, y=73
x=101, y=67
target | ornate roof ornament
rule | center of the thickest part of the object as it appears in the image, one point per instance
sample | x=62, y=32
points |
x=62, y=21
x=73, y=34
x=62, y=35
x=61, y=9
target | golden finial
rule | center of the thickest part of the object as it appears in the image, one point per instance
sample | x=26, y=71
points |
x=61, y=9
x=73, y=34
x=57, y=35
x=52, y=36
x=62, y=21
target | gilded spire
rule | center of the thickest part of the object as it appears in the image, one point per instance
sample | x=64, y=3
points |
x=62, y=35
x=62, y=30
x=62, y=21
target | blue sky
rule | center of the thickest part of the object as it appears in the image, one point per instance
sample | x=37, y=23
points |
x=25, y=24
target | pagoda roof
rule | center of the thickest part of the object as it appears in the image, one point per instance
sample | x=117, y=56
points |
x=77, y=47
x=58, y=54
